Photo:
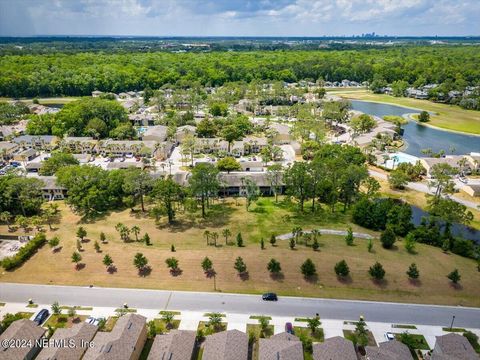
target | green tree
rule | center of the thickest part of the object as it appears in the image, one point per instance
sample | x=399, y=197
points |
x=207, y=264
x=376, y=271
x=96, y=246
x=103, y=238
x=107, y=261
x=313, y=324
x=413, y=272
x=297, y=181
x=274, y=266
x=262, y=244
x=135, y=230
x=170, y=194
x=273, y=240
x=388, y=238
x=341, y=268
x=56, y=161
x=397, y=179
x=172, y=264
x=370, y=245
x=140, y=262
x=239, y=240
x=76, y=258
x=361, y=333
x=81, y=233
x=56, y=308
x=137, y=183
x=424, y=116
x=410, y=243
x=362, y=124
x=240, y=266
x=146, y=239
x=228, y=164
x=315, y=245
x=215, y=320
x=252, y=191
x=308, y=268
x=204, y=183
x=292, y=243
x=454, y=276
x=275, y=175
x=226, y=234
x=349, y=237
x=53, y=242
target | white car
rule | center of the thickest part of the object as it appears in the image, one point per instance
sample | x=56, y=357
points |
x=90, y=320
x=389, y=336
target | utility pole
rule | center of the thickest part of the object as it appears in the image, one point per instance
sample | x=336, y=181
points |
x=214, y=282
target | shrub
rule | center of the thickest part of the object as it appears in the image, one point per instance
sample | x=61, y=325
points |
x=341, y=268
x=349, y=237
x=376, y=271
x=24, y=253
x=454, y=276
x=308, y=268
x=388, y=238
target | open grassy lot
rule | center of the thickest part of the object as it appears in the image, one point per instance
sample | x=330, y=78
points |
x=449, y=117
x=264, y=218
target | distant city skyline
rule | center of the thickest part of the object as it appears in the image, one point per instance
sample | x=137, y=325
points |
x=239, y=17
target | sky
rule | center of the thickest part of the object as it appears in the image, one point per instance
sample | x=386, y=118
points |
x=240, y=17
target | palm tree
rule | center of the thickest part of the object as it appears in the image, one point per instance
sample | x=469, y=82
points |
x=215, y=238
x=206, y=235
x=136, y=230
x=5, y=217
x=167, y=317
x=226, y=234
x=215, y=320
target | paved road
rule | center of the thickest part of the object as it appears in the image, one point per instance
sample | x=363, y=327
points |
x=246, y=304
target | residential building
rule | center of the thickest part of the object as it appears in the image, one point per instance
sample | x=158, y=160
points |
x=336, y=348
x=280, y=133
x=21, y=330
x=142, y=119
x=459, y=162
x=388, y=350
x=210, y=145
x=226, y=345
x=79, y=335
x=97, y=93
x=7, y=149
x=156, y=133
x=51, y=190
x=80, y=145
x=127, y=147
x=124, y=342
x=184, y=131
x=453, y=347
x=234, y=183
x=175, y=345
x=25, y=155
x=471, y=189
x=282, y=346
x=47, y=142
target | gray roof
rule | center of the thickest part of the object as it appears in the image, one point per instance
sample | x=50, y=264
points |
x=7, y=145
x=389, y=350
x=235, y=179
x=455, y=347
x=50, y=183
x=120, y=342
x=30, y=138
x=281, y=347
x=20, y=330
x=176, y=345
x=336, y=348
x=158, y=131
x=77, y=333
x=226, y=345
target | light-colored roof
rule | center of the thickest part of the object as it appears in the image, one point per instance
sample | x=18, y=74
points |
x=157, y=131
x=226, y=345
x=34, y=138
x=79, y=334
x=120, y=342
x=176, y=345
x=50, y=182
x=452, y=160
x=281, y=347
x=336, y=348
x=7, y=145
x=389, y=350
x=237, y=179
x=455, y=347
x=282, y=129
x=20, y=330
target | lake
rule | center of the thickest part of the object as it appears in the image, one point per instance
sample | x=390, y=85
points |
x=457, y=229
x=420, y=137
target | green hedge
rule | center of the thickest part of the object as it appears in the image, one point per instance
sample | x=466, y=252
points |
x=24, y=253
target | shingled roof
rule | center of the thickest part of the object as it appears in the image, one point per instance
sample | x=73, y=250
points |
x=20, y=330
x=78, y=334
x=336, y=348
x=282, y=346
x=120, y=342
x=453, y=347
x=226, y=345
x=389, y=350
x=176, y=345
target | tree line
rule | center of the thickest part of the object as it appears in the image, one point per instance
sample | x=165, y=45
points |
x=81, y=73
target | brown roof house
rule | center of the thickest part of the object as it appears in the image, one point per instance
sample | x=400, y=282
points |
x=389, y=350
x=453, y=347
x=21, y=330
x=282, y=346
x=69, y=344
x=124, y=342
x=335, y=348
x=226, y=345
x=176, y=345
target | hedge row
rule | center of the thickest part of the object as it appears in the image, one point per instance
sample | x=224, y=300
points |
x=24, y=253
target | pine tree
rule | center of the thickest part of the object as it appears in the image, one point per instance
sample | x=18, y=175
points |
x=292, y=243
x=376, y=271
x=315, y=245
x=341, y=269
x=454, y=276
x=262, y=244
x=239, y=240
x=413, y=272
x=273, y=240
x=349, y=237
x=240, y=266
x=308, y=268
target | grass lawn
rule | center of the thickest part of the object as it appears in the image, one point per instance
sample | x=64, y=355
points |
x=164, y=312
x=349, y=334
x=81, y=308
x=306, y=333
x=64, y=321
x=32, y=306
x=110, y=323
x=208, y=330
x=264, y=218
x=419, y=341
x=462, y=330
x=400, y=326
x=449, y=117
x=24, y=315
x=161, y=326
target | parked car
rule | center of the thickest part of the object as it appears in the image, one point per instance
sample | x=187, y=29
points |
x=270, y=297
x=289, y=328
x=41, y=316
x=90, y=320
x=389, y=336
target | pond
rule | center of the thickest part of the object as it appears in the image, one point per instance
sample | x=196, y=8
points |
x=457, y=229
x=420, y=137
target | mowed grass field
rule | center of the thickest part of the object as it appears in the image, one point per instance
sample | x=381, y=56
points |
x=265, y=218
x=449, y=117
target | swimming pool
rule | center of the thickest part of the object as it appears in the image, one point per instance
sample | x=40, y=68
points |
x=400, y=157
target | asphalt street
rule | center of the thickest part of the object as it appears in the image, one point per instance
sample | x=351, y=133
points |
x=239, y=303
